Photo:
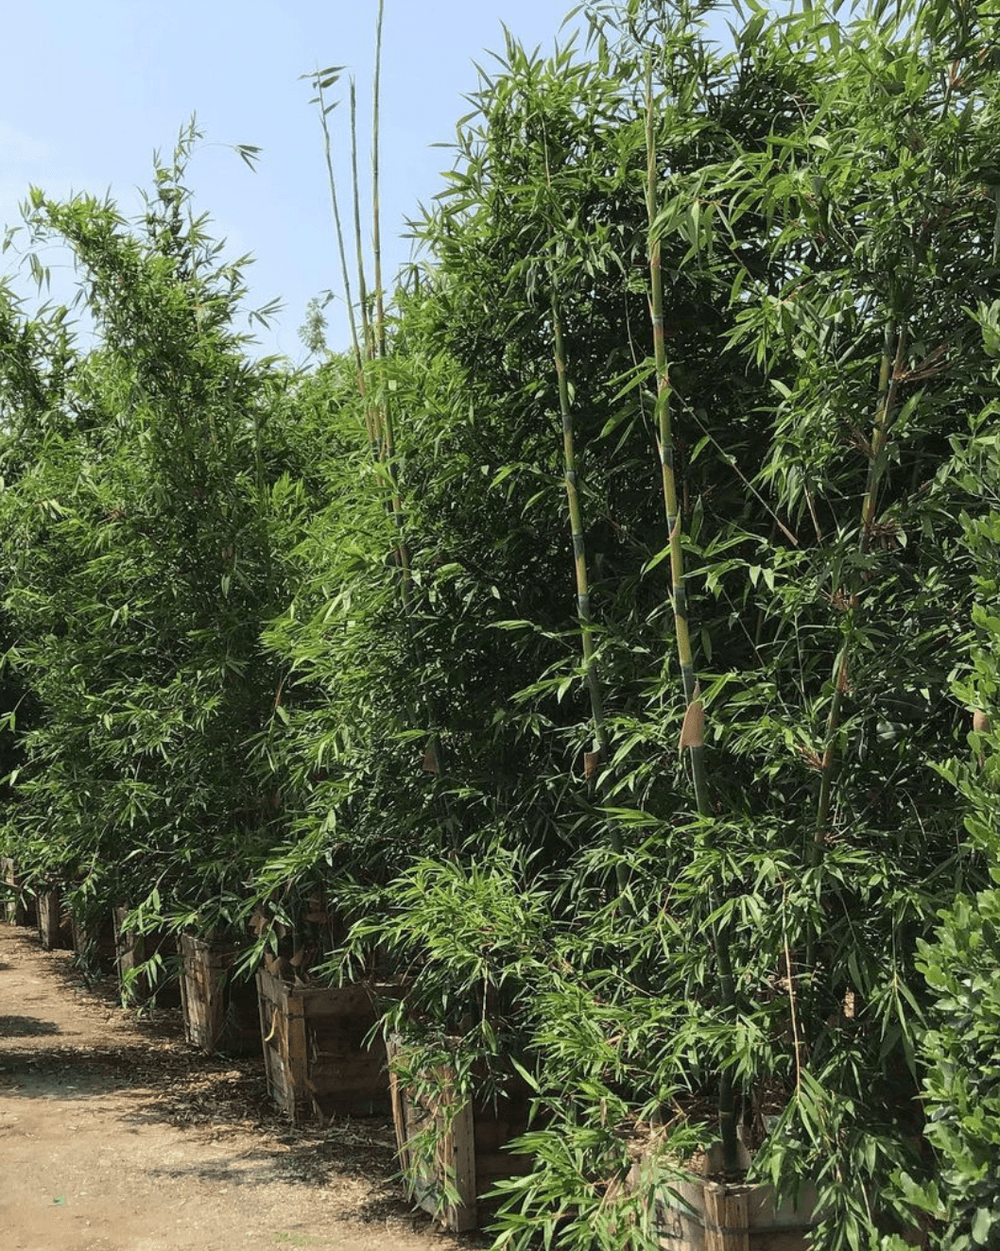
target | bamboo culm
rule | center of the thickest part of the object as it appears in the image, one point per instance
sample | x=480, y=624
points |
x=584, y=614
x=691, y=736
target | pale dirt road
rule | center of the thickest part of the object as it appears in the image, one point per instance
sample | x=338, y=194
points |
x=115, y=1135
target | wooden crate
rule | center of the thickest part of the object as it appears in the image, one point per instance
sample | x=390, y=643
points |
x=316, y=1057
x=469, y=1157
x=19, y=908
x=220, y=1013
x=94, y=944
x=718, y=1216
x=132, y=949
x=54, y=928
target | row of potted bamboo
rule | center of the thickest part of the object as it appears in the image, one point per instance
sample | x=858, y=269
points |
x=325, y=1056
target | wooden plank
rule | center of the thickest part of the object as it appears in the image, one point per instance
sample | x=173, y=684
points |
x=492, y=1166
x=296, y=1058
x=450, y=1188
x=727, y=1219
x=265, y=1012
x=218, y=1012
x=265, y=1024
x=349, y=1001
x=95, y=944
x=398, y=1101
x=457, y=1156
x=201, y=992
x=317, y=1057
x=49, y=916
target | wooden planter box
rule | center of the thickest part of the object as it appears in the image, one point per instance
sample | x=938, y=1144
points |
x=19, y=909
x=94, y=944
x=470, y=1156
x=54, y=928
x=717, y=1216
x=316, y=1057
x=220, y=1014
x=132, y=949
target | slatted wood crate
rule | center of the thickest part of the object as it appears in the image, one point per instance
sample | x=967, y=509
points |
x=94, y=944
x=133, y=949
x=718, y=1216
x=49, y=905
x=55, y=930
x=19, y=906
x=316, y=1054
x=469, y=1156
x=220, y=1012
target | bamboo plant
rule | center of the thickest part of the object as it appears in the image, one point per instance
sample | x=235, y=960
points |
x=692, y=740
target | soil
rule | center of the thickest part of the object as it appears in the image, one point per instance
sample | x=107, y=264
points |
x=116, y=1135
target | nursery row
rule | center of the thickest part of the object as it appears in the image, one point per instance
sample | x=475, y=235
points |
x=324, y=1057
x=604, y=647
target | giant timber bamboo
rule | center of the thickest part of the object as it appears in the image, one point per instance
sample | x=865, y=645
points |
x=890, y=372
x=322, y=80
x=432, y=752
x=691, y=733
x=371, y=349
x=597, y=759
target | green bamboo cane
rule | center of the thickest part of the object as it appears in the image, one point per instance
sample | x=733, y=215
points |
x=372, y=420
x=376, y=228
x=432, y=752
x=890, y=371
x=358, y=244
x=598, y=758
x=691, y=733
x=381, y=348
x=359, y=367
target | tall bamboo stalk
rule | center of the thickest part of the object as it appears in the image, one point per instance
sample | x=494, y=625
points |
x=432, y=752
x=890, y=371
x=359, y=360
x=598, y=758
x=372, y=419
x=381, y=348
x=371, y=348
x=691, y=733
x=388, y=441
x=376, y=228
x=358, y=243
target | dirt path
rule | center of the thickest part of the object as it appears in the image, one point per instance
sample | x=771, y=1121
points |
x=115, y=1135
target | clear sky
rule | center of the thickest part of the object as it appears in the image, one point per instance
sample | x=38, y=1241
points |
x=88, y=91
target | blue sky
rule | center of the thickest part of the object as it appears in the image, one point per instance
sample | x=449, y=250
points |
x=90, y=90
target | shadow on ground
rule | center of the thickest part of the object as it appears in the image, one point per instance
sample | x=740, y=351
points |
x=25, y=1026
